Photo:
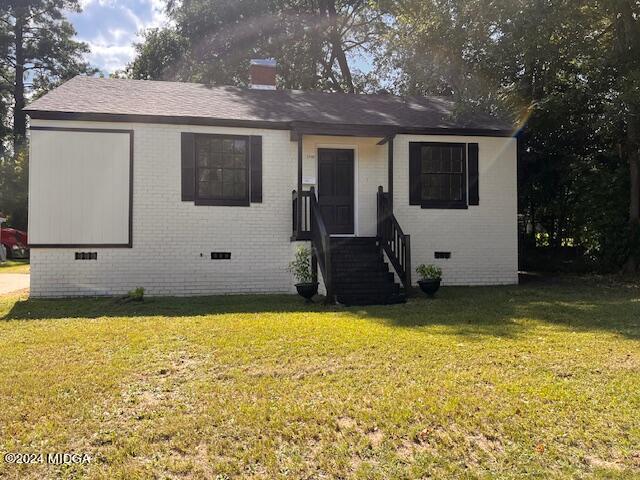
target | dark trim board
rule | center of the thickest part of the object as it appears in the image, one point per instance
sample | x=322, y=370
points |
x=130, y=221
x=78, y=245
x=84, y=130
x=126, y=118
x=297, y=128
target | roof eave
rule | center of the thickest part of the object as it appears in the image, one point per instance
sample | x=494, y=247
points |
x=304, y=128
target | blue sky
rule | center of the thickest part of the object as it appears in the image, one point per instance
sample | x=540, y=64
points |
x=110, y=27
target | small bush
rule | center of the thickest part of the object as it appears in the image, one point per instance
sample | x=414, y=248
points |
x=429, y=272
x=136, y=295
x=300, y=266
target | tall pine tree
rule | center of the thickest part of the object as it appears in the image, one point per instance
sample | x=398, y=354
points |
x=37, y=52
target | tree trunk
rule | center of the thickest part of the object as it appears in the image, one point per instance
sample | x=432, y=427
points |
x=633, y=152
x=628, y=35
x=336, y=44
x=19, y=117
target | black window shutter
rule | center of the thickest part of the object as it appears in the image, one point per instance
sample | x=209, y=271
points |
x=415, y=170
x=474, y=191
x=188, y=169
x=256, y=169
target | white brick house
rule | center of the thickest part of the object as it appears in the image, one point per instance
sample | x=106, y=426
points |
x=189, y=190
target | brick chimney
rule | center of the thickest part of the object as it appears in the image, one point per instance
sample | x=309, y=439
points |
x=263, y=74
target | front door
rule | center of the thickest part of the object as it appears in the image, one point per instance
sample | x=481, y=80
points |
x=336, y=189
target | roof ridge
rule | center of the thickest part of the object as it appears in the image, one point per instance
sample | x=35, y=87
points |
x=280, y=90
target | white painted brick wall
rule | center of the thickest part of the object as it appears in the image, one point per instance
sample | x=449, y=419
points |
x=483, y=240
x=172, y=240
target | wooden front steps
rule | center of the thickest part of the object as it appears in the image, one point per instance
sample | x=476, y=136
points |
x=360, y=274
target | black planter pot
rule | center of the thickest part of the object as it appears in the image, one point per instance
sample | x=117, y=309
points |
x=307, y=290
x=430, y=286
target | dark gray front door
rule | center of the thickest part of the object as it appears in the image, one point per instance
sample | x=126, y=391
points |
x=335, y=189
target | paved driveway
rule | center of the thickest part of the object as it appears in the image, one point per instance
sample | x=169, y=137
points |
x=11, y=282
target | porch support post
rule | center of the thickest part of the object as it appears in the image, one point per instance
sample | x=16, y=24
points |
x=390, y=165
x=300, y=205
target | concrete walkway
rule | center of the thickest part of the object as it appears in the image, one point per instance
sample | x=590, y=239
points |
x=12, y=282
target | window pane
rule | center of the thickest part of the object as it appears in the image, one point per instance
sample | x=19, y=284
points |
x=204, y=175
x=234, y=160
x=432, y=186
x=427, y=160
x=233, y=184
x=241, y=184
x=216, y=144
x=221, y=168
x=216, y=158
x=202, y=154
x=239, y=160
x=456, y=164
x=215, y=186
x=436, y=155
x=456, y=187
x=442, y=173
x=445, y=165
x=227, y=145
x=239, y=146
x=209, y=183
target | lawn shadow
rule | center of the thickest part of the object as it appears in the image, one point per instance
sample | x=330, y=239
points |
x=100, y=307
x=469, y=311
x=576, y=304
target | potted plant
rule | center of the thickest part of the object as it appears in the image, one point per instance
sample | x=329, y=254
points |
x=430, y=277
x=300, y=267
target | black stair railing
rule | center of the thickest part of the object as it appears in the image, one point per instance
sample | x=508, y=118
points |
x=321, y=245
x=396, y=244
x=303, y=230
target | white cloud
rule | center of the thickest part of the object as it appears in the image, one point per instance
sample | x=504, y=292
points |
x=111, y=27
x=111, y=58
x=86, y=3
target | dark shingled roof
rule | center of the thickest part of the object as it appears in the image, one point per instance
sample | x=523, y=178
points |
x=87, y=96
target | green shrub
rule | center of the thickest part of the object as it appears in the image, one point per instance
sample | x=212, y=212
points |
x=136, y=295
x=429, y=272
x=300, y=266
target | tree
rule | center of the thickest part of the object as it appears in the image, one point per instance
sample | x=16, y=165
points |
x=37, y=51
x=160, y=55
x=564, y=70
x=625, y=31
x=312, y=41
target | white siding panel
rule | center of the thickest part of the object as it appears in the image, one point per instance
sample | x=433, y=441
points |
x=79, y=187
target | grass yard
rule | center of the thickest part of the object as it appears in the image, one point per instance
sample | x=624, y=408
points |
x=539, y=381
x=14, y=266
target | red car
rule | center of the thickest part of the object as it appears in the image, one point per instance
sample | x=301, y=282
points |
x=15, y=242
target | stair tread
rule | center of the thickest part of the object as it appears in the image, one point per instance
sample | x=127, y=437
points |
x=360, y=273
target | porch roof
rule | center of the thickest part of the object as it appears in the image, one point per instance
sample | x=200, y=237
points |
x=106, y=99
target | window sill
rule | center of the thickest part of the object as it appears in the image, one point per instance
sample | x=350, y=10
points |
x=445, y=205
x=222, y=203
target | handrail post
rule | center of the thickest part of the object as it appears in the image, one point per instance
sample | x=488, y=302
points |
x=380, y=211
x=314, y=266
x=312, y=196
x=300, y=206
x=407, y=267
x=294, y=207
x=328, y=282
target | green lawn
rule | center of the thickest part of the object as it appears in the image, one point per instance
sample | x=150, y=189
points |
x=14, y=266
x=539, y=381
